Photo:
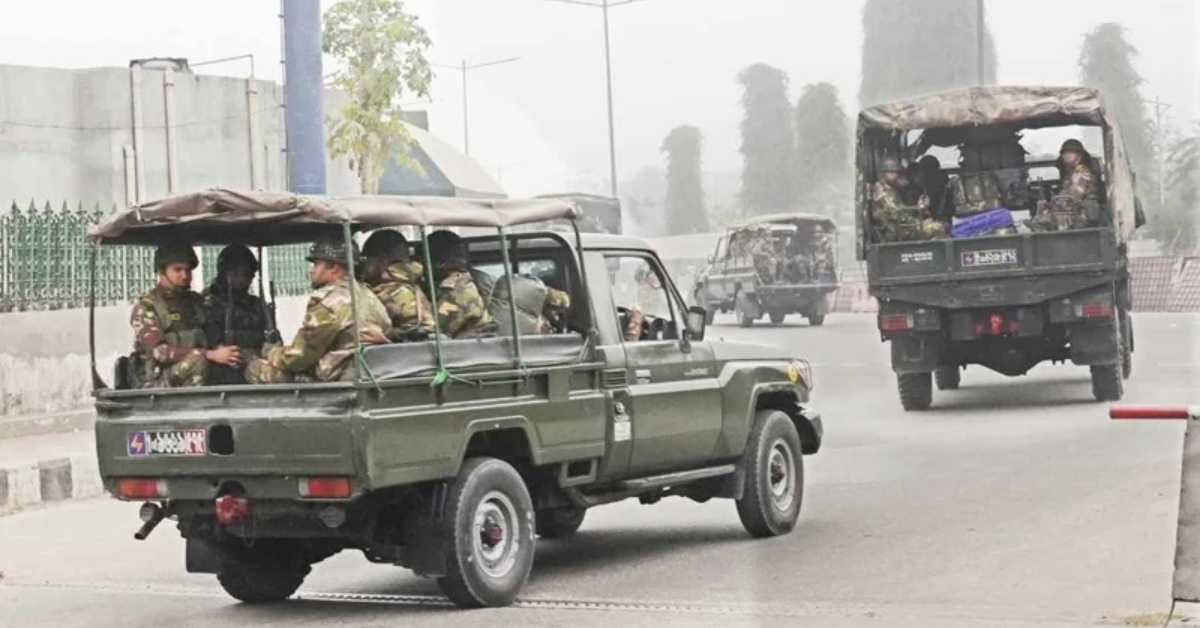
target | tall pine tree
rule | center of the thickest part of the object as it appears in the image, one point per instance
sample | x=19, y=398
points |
x=685, y=191
x=914, y=47
x=768, y=142
x=823, y=143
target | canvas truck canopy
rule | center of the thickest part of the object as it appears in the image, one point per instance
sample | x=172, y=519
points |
x=796, y=219
x=1024, y=107
x=221, y=216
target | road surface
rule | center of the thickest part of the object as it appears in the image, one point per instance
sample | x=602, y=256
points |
x=1013, y=502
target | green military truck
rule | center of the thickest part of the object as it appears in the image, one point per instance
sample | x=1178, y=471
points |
x=795, y=284
x=1009, y=297
x=447, y=457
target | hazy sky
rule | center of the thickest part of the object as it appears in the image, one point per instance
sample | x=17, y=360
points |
x=539, y=124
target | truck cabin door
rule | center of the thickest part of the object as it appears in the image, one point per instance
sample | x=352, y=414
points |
x=676, y=414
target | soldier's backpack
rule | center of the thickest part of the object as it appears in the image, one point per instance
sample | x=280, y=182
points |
x=975, y=192
x=529, y=297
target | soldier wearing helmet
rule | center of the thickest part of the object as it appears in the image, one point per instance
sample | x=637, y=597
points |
x=894, y=219
x=324, y=345
x=233, y=316
x=461, y=301
x=390, y=272
x=168, y=326
x=1077, y=206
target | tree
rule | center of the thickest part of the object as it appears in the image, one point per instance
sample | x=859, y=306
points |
x=768, y=143
x=685, y=192
x=1106, y=63
x=913, y=47
x=382, y=51
x=1178, y=220
x=822, y=149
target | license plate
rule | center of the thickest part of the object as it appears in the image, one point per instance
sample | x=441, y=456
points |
x=989, y=257
x=167, y=443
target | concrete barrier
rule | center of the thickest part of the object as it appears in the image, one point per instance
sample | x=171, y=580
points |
x=51, y=480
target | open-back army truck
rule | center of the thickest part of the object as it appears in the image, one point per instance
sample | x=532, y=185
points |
x=1011, y=297
x=449, y=456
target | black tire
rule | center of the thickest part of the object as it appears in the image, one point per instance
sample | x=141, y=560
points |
x=916, y=390
x=555, y=523
x=777, y=317
x=1106, y=382
x=489, y=490
x=773, y=476
x=948, y=377
x=710, y=314
x=816, y=320
x=1126, y=346
x=260, y=585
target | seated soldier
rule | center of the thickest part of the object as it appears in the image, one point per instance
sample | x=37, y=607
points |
x=824, y=257
x=896, y=221
x=934, y=183
x=168, y=326
x=233, y=316
x=1077, y=207
x=397, y=280
x=460, y=305
x=323, y=347
x=442, y=241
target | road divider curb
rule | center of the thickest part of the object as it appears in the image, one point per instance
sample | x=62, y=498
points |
x=51, y=480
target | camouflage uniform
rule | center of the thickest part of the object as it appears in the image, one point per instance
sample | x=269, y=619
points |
x=897, y=221
x=400, y=292
x=323, y=346
x=461, y=310
x=762, y=256
x=824, y=258
x=1068, y=210
x=168, y=337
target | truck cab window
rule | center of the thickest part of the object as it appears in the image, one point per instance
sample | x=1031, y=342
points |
x=645, y=309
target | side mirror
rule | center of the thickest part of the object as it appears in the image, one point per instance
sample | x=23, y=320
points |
x=697, y=318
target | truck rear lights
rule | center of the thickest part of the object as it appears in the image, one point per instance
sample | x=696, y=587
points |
x=1096, y=309
x=231, y=509
x=325, y=488
x=895, y=322
x=996, y=324
x=141, y=488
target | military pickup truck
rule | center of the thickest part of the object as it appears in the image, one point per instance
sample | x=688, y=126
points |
x=448, y=456
x=1004, y=296
x=794, y=273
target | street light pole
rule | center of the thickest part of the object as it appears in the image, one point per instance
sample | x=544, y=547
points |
x=604, y=6
x=979, y=26
x=464, y=68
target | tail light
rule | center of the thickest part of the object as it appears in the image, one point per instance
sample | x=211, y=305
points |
x=231, y=509
x=325, y=488
x=895, y=322
x=1095, y=309
x=996, y=324
x=141, y=488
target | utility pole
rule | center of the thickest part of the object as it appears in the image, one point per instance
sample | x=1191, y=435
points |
x=464, y=68
x=604, y=6
x=980, y=25
x=1160, y=132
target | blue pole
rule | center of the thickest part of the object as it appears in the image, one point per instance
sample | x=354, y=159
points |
x=303, y=117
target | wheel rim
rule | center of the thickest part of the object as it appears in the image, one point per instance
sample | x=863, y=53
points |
x=495, y=535
x=781, y=475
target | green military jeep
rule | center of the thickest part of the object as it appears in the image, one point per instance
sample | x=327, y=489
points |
x=447, y=457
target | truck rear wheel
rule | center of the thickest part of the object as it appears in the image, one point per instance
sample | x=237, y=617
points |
x=259, y=585
x=948, y=377
x=777, y=317
x=773, y=476
x=1106, y=382
x=816, y=320
x=555, y=523
x=916, y=390
x=490, y=524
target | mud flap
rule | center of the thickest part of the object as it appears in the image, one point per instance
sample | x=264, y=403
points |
x=200, y=557
x=1186, y=583
x=915, y=353
x=1095, y=344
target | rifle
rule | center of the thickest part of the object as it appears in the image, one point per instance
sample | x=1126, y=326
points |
x=272, y=331
x=228, y=337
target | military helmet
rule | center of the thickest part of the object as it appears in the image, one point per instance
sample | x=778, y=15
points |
x=889, y=164
x=175, y=253
x=330, y=249
x=387, y=245
x=1072, y=145
x=236, y=256
x=446, y=247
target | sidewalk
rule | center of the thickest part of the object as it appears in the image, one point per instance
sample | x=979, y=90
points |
x=47, y=468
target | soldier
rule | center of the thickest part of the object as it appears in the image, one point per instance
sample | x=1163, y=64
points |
x=232, y=315
x=934, y=183
x=762, y=254
x=396, y=279
x=894, y=219
x=461, y=307
x=824, y=257
x=443, y=240
x=555, y=311
x=1069, y=210
x=323, y=347
x=168, y=326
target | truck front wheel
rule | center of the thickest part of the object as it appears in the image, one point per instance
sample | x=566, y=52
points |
x=916, y=390
x=490, y=524
x=257, y=584
x=773, y=473
x=1106, y=382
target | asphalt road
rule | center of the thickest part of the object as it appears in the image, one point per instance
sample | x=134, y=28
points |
x=1013, y=502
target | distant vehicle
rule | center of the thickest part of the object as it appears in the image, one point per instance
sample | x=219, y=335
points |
x=601, y=214
x=1005, y=296
x=448, y=456
x=794, y=283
